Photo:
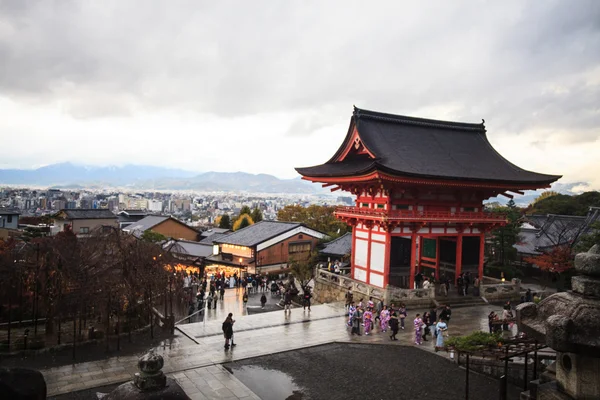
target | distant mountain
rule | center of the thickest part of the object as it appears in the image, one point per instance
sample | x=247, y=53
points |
x=67, y=175
x=530, y=195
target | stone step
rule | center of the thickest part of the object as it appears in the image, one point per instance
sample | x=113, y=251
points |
x=457, y=302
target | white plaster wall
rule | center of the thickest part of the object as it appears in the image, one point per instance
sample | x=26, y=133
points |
x=360, y=274
x=377, y=257
x=361, y=234
x=376, y=236
x=360, y=258
x=376, y=280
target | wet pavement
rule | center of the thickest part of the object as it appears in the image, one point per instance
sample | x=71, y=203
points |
x=256, y=335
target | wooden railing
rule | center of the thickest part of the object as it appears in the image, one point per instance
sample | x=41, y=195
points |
x=416, y=215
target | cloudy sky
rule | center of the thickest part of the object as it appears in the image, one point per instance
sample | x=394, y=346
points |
x=265, y=86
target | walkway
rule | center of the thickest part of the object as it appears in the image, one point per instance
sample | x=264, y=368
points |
x=256, y=335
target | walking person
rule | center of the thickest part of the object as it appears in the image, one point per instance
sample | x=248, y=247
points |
x=306, y=297
x=384, y=318
x=245, y=298
x=368, y=320
x=351, y=310
x=222, y=292
x=228, y=330
x=263, y=301
x=349, y=298
x=426, y=323
x=394, y=326
x=287, y=301
x=356, y=320
x=440, y=328
x=378, y=309
x=209, y=299
x=418, y=323
x=402, y=315
x=446, y=314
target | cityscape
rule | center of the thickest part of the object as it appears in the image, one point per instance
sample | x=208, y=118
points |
x=299, y=201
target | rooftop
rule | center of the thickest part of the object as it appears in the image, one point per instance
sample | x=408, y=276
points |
x=186, y=247
x=418, y=147
x=257, y=233
x=341, y=246
x=146, y=223
x=86, y=214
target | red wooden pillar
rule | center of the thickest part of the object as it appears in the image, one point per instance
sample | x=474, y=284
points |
x=481, y=254
x=353, y=253
x=437, y=258
x=369, y=243
x=386, y=261
x=413, y=254
x=459, y=243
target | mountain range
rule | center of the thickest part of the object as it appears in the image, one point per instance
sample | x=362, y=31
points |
x=140, y=177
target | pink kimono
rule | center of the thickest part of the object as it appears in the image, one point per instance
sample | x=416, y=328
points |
x=368, y=320
x=385, y=319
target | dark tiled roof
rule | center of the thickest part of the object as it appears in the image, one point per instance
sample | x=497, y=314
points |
x=146, y=223
x=341, y=246
x=194, y=249
x=213, y=237
x=134, y=212
x=212, y=231
x=257, y=233
x=6, y=211
x=420, y=147
x=88, y=214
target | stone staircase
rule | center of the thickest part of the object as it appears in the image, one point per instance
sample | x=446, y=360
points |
x=455, y=301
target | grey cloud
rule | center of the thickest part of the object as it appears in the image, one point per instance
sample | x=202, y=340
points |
x=312, y=59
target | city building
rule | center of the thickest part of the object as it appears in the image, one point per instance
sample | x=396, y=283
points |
x=420, y=186
x=168, y=226
x=9, y=219
x=266, y=246
x=83, y=221
x=128, y=217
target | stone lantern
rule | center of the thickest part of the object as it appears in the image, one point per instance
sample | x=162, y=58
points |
x=569, y=323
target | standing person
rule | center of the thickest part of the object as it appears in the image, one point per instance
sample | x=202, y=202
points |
x=442, y=290
x=402, y=315
x=492, y=317
x=263, y=301
x=447, y=286
x=418, y=323
x=459, y=285
x=384, y=318
x=245, y=298
x=228, y=330
x=528, y=296
x=349, y=297
x=467, y=282
x=426, y=323
x=476, y=284
x=378, y=309
x=287, y=300
x=440, y=328
x=368, y=320
x=209, y=299
x=371, y=304
x=418, y=280
x=432, y=317
x=306, y=296
x=351, y=310
x=394, y=326
x=356, y=320
x=446, y=314
x=222, y=292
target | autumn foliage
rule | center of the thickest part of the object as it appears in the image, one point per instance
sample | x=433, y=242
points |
x=557, y=259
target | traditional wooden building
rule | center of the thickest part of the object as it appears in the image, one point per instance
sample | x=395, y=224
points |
x=420, y=186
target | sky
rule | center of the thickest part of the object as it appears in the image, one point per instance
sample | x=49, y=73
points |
x=266, y=86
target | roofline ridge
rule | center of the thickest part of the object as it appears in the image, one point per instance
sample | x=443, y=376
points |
x=360, y=113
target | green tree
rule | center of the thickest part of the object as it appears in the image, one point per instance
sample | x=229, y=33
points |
x=243, y=221
x=256, y=215
x=154, y=237
x=245, y=210
x=225, y=222
x=591, y=238
x=320, y=218
x=563, y=204
x=505, y=237
x=303, y=269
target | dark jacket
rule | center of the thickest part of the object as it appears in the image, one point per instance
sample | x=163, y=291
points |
x=394, y=324
x=228, y=328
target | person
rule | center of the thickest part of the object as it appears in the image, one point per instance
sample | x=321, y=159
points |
x=307, y=295
x=528, y=297
x=476, y=284
x=467, y=282
x=209, y=299
x=440, y=328
x=384, y=318
x=394, y=326
x=426, y=283
x=507, y=317
x=492, y=317
x=433, y=316
x=222, y=291
x=274, y=288
x=356, y=320
x=263, y=300
x=349, y=297
x=228, y=330
x=378, y=309
x=418, y=323
x=459, y=285
x=402, y=315
x=443, y=289
x=447, y=286
x=245, y=297
x=336, y=269
x=446, y=314
x=426, y=323
x=370, y=303
x=351, y=310
x=418, y=280
x=287, y=301
x=368, y=320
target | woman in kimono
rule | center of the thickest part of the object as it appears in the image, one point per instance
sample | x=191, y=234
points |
x=418, y=323
x=440, y=328
x=384, y=317
x=368, y=320
x=351, y=310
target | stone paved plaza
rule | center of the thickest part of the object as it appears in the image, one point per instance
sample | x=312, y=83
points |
x=198, y=368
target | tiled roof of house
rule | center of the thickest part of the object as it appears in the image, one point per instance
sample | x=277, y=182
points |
x=341, y=246
x=257, y=233
x=88, y=214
